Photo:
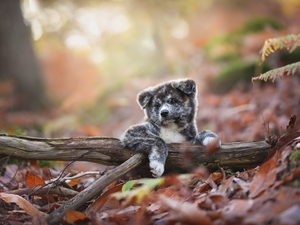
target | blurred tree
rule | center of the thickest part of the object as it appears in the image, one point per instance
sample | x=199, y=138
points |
x=17, y=58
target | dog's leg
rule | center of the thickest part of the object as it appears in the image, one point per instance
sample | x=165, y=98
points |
x=206, y=137
x=157, y=160
x=139, y=139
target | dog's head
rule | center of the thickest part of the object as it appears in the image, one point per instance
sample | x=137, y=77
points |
x=170, y=102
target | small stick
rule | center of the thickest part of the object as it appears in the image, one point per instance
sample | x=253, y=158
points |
x=43, y=191
x=95, y=188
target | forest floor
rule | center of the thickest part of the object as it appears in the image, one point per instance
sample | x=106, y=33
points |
x=267, y=194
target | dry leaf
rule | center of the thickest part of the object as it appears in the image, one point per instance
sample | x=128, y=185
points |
x=33, y=180
x=185, y=212
x=216, y=177
x=219, y=201
x=22, y=203
x=74, y=182
x=264, y=178
x=73, y=216
x=100, y=201
x=290, y=216
x=290, y=127
x=282, y=142
x=225, y=185
x=212, y=202
x=286, y=198
x=237, y=208
x=288, y=178
x=34, y=164
x=111, y=185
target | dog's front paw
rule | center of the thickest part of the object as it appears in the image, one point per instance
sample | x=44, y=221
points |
x=216, y=141
x=207, y=138
x=157, y=168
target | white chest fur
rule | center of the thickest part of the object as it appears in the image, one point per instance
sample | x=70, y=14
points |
x=170, y=134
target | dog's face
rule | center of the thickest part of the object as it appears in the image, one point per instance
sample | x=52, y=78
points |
x=173, y=102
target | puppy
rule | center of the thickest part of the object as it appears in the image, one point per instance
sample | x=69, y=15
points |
x=170, y=110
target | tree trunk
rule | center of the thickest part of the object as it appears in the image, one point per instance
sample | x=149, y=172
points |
x=109, y=151
x=17, y=60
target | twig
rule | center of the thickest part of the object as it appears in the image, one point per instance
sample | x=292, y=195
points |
x=43, y=191
x=81, y=175
x=6, y=160
x=223, y=172
x=266, y=130
x=5, y=185
x=96, y=188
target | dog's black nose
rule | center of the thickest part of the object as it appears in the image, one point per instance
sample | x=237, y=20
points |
x=164, y=113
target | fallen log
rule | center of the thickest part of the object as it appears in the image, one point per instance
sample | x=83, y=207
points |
x=109, y=151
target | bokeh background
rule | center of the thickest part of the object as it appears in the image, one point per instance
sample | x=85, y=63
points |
x=73, y=68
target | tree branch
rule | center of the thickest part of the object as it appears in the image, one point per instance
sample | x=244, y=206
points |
x=95, y=188
x=109, y=151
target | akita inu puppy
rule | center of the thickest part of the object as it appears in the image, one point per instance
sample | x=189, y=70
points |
x=170, y=109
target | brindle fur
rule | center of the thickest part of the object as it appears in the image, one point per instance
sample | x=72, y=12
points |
x=170, y=110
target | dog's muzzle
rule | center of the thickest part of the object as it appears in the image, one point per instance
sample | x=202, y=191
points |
x=164, y=113
x=167, y=114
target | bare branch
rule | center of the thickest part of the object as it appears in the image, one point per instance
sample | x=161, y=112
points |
x=109, y=151
x=43, y=191
x=96, y=188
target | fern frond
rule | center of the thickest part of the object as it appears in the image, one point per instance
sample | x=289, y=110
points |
x=295, y=46
x=273, y=44
x=279, y=72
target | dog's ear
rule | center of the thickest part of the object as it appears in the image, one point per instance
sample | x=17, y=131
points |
x=144, y=97
x=187, y=86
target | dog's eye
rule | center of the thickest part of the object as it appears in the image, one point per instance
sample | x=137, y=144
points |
x=157, y=104
x=172, y=100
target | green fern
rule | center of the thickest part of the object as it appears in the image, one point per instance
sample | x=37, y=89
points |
x=279, y=72
x=290, y=42
x=273, y=44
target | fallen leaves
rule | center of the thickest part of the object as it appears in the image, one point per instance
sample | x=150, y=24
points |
x=263, y=195
x=75, y=216
x=104, y=199
x=185, y=212
x=33, y=180
x=264, y=178
x=147, y=185
x=22, y=203
x=290, y=216
x=282, y=142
